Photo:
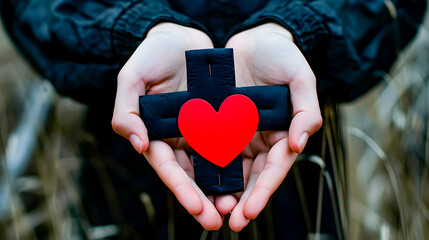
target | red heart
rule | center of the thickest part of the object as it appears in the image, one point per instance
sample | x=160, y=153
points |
x=219, y=136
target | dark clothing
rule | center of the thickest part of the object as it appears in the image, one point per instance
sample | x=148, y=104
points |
x=81, y=45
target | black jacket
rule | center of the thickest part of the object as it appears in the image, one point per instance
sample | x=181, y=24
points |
x=81, y=45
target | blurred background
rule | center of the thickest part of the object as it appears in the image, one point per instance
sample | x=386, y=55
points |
x=387, y=141
x=385, y=133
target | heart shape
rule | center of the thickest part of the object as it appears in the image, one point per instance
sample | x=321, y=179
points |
x=219, y=136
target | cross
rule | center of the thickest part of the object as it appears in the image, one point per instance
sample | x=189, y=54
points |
x=211, y=76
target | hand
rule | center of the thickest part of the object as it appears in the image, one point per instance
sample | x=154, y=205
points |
x=158, y=66
x=266, y=55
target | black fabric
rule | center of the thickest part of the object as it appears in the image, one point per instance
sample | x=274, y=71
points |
x=349, y=44
x=211, y=76
x=218, y=15
x=215, y=180
x=81, y=45
x=159, y=112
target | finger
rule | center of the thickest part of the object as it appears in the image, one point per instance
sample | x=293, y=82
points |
x=209, y=217
x=225, y=203
x=307, y=118
x=126, y=120
x=238, y=220
x=247, y=167
x=277, y=165
x=184, y=162
x=211, y=198
x=162, y=159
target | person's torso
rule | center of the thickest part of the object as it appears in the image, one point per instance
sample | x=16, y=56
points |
x=218, y=16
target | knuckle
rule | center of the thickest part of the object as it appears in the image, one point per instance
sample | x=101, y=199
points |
x=117, y=124
x=318, y=121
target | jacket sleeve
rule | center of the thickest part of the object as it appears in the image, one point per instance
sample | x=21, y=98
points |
x=349, y=44
x=79, y=45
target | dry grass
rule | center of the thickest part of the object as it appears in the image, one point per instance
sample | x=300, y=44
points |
x=38, y=145
x=388, y=158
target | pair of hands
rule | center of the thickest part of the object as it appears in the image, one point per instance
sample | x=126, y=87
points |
x=264, y=55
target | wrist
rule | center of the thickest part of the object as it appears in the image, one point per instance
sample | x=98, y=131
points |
x=272, y=28
x=260, y=31
x=194, y=37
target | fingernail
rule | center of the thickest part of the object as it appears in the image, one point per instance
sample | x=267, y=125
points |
x=136, y=142
x=303, y=140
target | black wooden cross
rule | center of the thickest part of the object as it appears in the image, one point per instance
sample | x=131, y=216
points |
x=211, y=76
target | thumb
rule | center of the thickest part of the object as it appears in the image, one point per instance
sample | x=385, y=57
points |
x=307, y=118
x=126, y=120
